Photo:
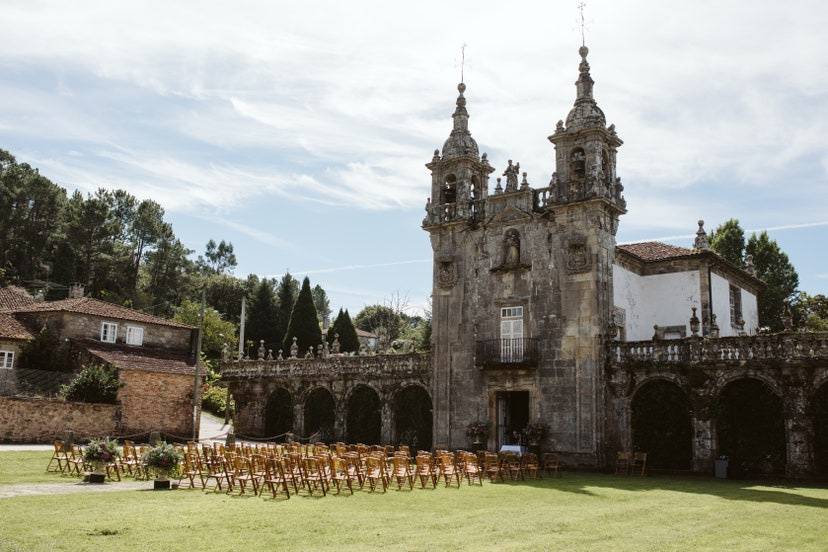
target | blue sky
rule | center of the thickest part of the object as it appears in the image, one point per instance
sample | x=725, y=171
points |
x=299, y=132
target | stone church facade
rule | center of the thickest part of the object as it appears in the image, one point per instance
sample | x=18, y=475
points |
x=540, y=316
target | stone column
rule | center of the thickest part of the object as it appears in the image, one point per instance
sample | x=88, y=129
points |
x=799, y=435
x=339, y=421
x=386, y=432
x=703, y=444
x=298, y=425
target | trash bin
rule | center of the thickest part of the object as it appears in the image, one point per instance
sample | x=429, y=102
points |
x=721, y=467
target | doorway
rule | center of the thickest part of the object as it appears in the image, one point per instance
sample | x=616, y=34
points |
x=512, y=417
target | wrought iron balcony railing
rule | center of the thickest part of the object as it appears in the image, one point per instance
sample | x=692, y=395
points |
x=522, y=352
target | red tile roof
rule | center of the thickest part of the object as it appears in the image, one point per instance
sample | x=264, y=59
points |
x=13, y=297
x=141, y=358
x=96, y=307
x=656, y=251
x=11, y=328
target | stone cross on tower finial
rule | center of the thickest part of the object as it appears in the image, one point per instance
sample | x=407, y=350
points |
x=581, y=6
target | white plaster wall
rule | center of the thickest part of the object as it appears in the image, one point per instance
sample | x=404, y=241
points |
x=720, y=298
x=750, y=312
x=658, y=299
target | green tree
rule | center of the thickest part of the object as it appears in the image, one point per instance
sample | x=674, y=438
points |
x=217, y=258
x=322, y=304
x=781, y=280
x=93, y=384
x=262, y=317
x=168, y=272
x=217, y=331
x=373, y=317
x=811, y=312
x=46, y=352
x=728, y=240
x=304, y=322
x=224, y=293
x=145, y=230
x=286, y=294
x=343, y=327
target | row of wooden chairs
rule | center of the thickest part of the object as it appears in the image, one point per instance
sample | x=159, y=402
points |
x=631, y=463
x=68, y=459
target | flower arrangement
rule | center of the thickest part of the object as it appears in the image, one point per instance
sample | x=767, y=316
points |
x=536, y=431
x=163, y=459
x=100, y=452
x=477, y=431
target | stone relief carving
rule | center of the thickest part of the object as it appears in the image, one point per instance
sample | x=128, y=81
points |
x=578, y=258
x=446, y=273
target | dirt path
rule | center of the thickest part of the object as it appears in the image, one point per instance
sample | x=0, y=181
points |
x=34, y=489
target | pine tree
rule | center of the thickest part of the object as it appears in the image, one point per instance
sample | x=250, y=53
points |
x=344, y=328
x=304, y=324
x=262, y=317
x=728, y=240
x=286, y=295
x=775, y=269
x=322, y=304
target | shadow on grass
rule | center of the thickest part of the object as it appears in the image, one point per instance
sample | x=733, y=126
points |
x=579, y=483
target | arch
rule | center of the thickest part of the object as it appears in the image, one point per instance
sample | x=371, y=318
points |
x=320, y=413
x=448, y=193
x=750, y=427
x=278, y=412
x=577, y=164
x=412, y=409
x=476, y=192
x=660, y=424
x=819, y=413
x=363, y=422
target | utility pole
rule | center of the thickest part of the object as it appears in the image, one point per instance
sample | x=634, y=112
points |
x=197, y=379
x=241, y=355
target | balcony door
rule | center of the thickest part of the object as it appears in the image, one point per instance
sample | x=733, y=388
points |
x=511, y=334
x=512, y=417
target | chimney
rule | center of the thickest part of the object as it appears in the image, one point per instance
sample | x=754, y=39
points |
x=76, y=291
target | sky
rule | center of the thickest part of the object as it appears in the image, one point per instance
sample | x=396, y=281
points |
x=299, y=130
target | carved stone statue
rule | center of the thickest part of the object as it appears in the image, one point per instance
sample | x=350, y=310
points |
x=335, y=344
x=511, y=243
x=294, y=349
x=511, y=173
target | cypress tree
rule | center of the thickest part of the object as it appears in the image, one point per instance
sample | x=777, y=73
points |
x=304, y=324
x=344, y=328
x=262, y=318
x=286, y=295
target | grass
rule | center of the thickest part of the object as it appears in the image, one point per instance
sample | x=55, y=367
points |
x=27, y=467
x=575, y=512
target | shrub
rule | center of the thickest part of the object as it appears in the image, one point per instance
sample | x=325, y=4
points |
x=93, y=384
x=214, y=399
x=163, y=459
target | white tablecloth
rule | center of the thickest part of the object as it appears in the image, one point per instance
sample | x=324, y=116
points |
x=517, y=449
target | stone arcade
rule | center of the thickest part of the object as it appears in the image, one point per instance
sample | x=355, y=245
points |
x=538, y=315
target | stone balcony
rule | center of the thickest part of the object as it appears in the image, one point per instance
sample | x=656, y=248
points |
x=786, y=346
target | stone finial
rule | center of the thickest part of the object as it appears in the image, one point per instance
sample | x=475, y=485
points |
x=524, y=184
x=326, y=349
x=309, y=354
x=694, y=322
x=701, y=241
x=740, y=327
x=749, y=266
x=225, y=353
x=363, y=350
x=260, y=353
x=280, y=356
x=484, y=158
x=714, y=327
x=787, y=318
x=498, y=188
x=319, y=350
x=559, y=127
x=656, y=332
x=269, y=354
x=294, y=349
x=335, y=345
x=436, y=156
x=611, y=129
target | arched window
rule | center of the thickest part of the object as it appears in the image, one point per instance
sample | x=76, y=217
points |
x=449, y=191
x=577, y=163
x=476, y=191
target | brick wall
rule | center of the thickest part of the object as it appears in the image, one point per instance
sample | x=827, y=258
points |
x=156, y=401
x=35, y=420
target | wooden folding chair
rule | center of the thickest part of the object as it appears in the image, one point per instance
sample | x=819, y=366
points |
x=75, y=460
x=218, y=472
x=401, y=471
x=339, y=472
x=314, y=475
x=59, y=457
x=424, y=470
x=244, y=473
x=622, y=463
x=275, y=478
x=491, y=467
x=448, y=469
x=354, y=467
x=638, y=465
x=510, y=464
x=375, y=470
x=531, y=465
x=191, y=470
x=551, y=464
x=471, y=468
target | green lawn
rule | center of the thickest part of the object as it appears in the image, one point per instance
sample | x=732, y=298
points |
x=27, y=467
x=575, y=512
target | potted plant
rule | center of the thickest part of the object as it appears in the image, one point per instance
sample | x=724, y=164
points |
x=98, y=453
x=163, y=460
x=535, y=432
x=477, y=432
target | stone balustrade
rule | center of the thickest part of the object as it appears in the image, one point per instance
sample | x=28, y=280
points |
x=787, y=346
x=337, y=367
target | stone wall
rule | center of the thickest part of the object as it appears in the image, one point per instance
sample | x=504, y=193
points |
x=156, y=401
x=86, y=326
x=35, y=420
